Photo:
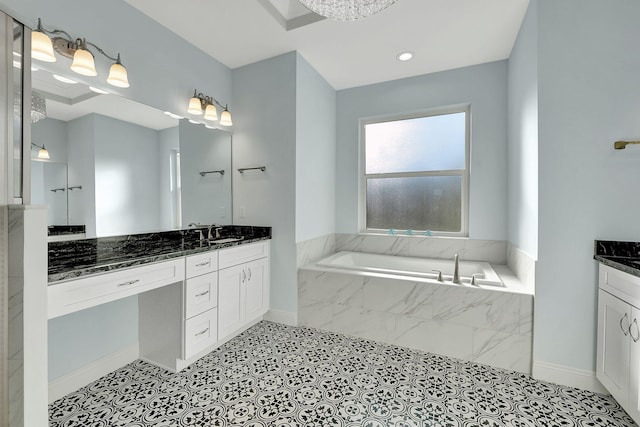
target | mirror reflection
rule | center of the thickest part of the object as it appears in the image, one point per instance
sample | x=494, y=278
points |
x=119, y=167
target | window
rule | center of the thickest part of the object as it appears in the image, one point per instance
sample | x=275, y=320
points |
x=416, y=173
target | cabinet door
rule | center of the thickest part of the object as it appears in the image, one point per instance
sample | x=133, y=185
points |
x=613, y=344
x=230, y=300
x=634, y=397
x=257, y=297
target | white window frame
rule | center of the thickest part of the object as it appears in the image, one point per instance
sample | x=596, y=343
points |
x=464, y=173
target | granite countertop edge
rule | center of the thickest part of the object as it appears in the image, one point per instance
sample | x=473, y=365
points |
x=618, y=266
x=81, y=272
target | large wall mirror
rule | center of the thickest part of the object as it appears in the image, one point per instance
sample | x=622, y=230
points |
x=119, y=167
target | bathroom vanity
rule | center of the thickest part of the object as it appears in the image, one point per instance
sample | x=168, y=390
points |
x=618, y=341
x=193, y=294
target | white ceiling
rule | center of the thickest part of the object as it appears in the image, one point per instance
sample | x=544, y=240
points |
x=442, y=34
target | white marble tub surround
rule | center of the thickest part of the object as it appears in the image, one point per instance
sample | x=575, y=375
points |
x=523, y=265
x=490, y=325
x=311, y=250
x=492, y=251
x=412, y=266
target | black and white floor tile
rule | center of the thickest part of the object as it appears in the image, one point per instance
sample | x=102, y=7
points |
x=277, y=375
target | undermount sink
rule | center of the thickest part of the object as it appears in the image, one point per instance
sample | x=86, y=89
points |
x=227, y=240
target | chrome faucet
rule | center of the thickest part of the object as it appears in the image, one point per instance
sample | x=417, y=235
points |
x=456, y=277
x=216, y=229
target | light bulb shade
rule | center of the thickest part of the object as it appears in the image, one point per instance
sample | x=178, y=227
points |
x=210, y=113
x=225, y=118
x=118, y=75
x=41, y=47
x=195, y=106
x=43, y=153
x=83, y=63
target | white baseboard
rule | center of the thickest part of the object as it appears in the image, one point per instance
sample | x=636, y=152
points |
x=68, y=383
x=565, y=375
x=284, y=317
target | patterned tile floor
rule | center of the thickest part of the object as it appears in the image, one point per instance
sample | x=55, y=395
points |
x=277, y=375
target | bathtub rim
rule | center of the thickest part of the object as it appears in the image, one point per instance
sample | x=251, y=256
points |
x=512, y=284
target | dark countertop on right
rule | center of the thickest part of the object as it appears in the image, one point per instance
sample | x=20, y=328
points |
x=623, y=256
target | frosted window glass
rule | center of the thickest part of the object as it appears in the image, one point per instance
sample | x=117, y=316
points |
x=430, y=143
x=417, y=203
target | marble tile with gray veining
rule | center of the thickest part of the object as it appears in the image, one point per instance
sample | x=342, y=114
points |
x=348, y=242
x=477, y=308
x=359, y=322
x=334, y=287
x=502, y=350
x=389, y=245
x=435, y=247
x=526, y=314
x=492, y=251
x=435, y=336
x=522, y=265
x=315, y=314
x=398, y=296
x=312, y=250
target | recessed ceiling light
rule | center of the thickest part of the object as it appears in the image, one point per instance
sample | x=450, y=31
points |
x=404, y=56
x=64, y=79
x=194, y=122
x=210, y=127
x=96, y=90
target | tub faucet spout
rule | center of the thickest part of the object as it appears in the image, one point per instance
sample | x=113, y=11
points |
x=456, y=276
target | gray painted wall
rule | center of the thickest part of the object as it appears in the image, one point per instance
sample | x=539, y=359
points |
x=81, y=168
x=264, y=98
x=315, y=153
x=484, y=87
x=523, y=136
x=588, y=98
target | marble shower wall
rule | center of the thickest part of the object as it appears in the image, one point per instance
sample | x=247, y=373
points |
x=484, y=326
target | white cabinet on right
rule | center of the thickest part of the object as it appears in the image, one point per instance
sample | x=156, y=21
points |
x=618, y=346
x=243, y=286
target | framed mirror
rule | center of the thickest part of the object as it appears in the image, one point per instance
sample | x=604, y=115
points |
x=116, y=166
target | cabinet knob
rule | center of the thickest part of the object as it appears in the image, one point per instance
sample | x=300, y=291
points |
x=637, y=336
x=625, y=329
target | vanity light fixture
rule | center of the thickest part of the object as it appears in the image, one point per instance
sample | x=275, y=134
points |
x=200, y=103
x=43, y=153
x=42, y=48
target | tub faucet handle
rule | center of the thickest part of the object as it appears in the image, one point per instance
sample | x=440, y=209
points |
x=456, y=276
x=439, y=275
x=473, y=279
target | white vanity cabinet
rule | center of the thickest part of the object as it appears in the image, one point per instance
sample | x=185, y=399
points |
x=243, y=286
x=618, y=340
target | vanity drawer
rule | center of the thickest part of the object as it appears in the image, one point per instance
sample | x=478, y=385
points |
x=202, y=263
x=87, y=292
x=201, y=294
x=243, y=253
x=200, y=332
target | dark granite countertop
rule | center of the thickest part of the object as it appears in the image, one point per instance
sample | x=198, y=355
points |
x=623, y=256
x=76, y=258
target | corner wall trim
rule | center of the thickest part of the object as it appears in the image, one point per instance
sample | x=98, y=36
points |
x=568, y=376
x=284, y=317
x=72, y=381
